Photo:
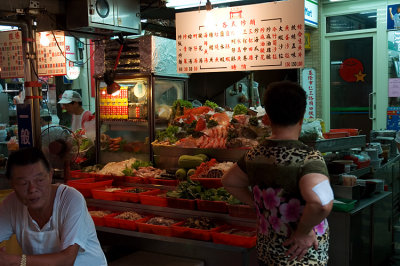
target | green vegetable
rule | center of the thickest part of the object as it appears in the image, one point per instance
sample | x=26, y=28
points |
x=211, y=104
x=213, y=194
x=190, y=172
x=240, y=109
x=253, y=121
x=202, y=156
x=182, y=103
x=189, y=161
x=168, y=134
x=139, y=163
x=234, y=201
x=180, y=174
x=186, y=190
x=212, y=123
x=232, y=134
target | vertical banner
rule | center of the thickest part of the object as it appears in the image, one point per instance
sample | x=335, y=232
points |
x=24, y=119
x=11, y=61
x=242, y=38
x=309, y=85
x=51, y=53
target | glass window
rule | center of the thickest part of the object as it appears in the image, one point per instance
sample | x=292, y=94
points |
x=349, y=22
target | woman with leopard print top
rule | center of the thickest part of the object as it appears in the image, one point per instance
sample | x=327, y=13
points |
x=289, y=185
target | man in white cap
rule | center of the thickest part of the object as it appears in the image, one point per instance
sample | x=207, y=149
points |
x=71, y=101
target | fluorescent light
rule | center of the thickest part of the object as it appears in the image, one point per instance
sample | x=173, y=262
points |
x=181, y=4
x=7, y=28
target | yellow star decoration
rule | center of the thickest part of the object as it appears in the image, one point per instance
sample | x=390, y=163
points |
x=360, y=76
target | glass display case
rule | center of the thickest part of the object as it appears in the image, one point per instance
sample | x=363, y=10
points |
x=128, y=119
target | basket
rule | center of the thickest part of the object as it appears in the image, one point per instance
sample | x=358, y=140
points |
x=102, y=194
x=232, y=239
x=242, y=211
x=208, y=182
x=110, y=221
x=124, y=195
x=153, y=200
x=87, y=184
x=161, y=230
x=134, y=179
x=350, y=131
x=164, y=182
x=212, y=206
x=178, y=230
x=188, y=204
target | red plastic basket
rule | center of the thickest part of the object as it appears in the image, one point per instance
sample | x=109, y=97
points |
x=75, y=174
x=208, y=182
x=232, y=239
x=189, y=204
x=134, y=179
x=242, y=211
x=123, y=195
x=110, y=221
x=87, y=184
x=212, y=206
x=178, y=230
x=98, y=221
x=154, y=200
x=351, y=131
x=335, y=135
x=102, y=194
x=129, y=224
x=164, y=182
x=162, y=230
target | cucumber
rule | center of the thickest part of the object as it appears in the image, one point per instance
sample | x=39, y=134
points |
x=189, y=161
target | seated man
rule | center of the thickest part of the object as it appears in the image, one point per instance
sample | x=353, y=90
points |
x=51, y=221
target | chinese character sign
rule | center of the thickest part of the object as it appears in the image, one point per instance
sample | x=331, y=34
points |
x=51, y=53
x=24, y=119
x=242, y=38
x=11, y=57
x=309, y=85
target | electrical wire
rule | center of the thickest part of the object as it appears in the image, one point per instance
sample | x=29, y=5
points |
x=75, y=62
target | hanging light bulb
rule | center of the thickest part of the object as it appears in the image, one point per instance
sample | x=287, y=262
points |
x=44, y=40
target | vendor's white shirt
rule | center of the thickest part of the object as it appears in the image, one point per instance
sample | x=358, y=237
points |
x=79, y=120
x=70, y=222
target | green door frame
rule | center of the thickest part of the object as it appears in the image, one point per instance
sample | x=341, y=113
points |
x=380, y=55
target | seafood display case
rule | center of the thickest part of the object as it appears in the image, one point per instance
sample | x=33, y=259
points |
x=127, y=120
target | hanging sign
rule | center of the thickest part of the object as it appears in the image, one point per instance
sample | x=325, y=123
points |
x=51, y=53
x=242, y=38
x=11, y=61
x=24, y=119
x=309, y=85
x=311, y=13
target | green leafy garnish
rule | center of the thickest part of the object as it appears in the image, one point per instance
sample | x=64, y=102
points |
x=240, y=109
x=211, y=104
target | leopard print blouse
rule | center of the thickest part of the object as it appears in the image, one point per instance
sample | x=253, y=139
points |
x=275, y=168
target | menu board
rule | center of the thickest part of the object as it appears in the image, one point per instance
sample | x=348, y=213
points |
x=309, y=85
x=11, y=61
x=242, y=38
x=51, y=53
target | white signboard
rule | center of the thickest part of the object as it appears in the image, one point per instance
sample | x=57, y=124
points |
x=51, y=53
x=309, y=85
x=11, y=61
x=311, y=13
x=242, y=38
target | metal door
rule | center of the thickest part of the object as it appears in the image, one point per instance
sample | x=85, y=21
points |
x=351, y=83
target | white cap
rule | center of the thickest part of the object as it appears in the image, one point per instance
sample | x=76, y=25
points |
x=70, y=96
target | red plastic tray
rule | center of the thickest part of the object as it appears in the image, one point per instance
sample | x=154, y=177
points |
x=75, y=174
x=189, y=204
x=164, y=182
x=134, y=179
x=232, y=239
x=212, y=206
x=208, y=182
x=122, y=195
x=242, y=211
x=85, y=185
x=103, y=195
x=334, y=135
x=110, y=221
x=178, y=230
x=153, y=229
x=154, y=200
x=98, y=221
x=351, y=131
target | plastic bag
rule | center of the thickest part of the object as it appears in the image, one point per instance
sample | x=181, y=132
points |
x=311, y=130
